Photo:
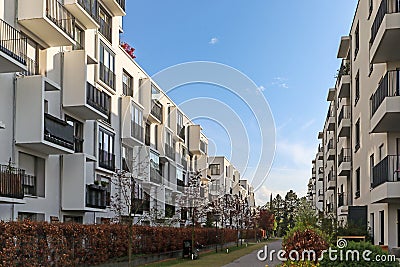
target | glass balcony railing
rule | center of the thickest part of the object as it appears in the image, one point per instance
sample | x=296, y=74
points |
x=58, y=132
x=107, y=76
x=137, y=131
x=91, y=7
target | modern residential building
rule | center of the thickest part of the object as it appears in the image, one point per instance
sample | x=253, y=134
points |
x=364, y=115
x=82, y=123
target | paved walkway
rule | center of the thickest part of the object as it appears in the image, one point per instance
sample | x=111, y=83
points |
x=251, y=260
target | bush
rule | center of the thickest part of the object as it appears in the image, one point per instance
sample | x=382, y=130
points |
x=299, y=264
x=43, y=244
x=360, y=247
x=302, y=238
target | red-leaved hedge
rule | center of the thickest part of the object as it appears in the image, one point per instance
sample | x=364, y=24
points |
x=59, y=244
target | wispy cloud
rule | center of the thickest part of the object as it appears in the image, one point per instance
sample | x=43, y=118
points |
x=261, y=88
x=307, y=124
x=280, y=82
x=296, y=153
x=213, y=41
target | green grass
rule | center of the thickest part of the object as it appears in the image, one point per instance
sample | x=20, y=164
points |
x=211, y=258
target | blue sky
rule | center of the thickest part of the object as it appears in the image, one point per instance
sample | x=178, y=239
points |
x=288, y=48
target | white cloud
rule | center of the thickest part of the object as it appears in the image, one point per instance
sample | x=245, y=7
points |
x=307, y=124
x=213, y=41
x=280, y=82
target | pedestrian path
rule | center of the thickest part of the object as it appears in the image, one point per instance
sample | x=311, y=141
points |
x=251, y=260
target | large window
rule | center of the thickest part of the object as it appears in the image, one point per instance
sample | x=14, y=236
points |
x=34, y=179
x=107, y=66
x=180, y=129
x=358, y=183
x=127, y=84
x=105, y=24
x=106, y=149
x=78, y=134
x=137, y=122
x=357, y=135
x=215, y=169
x=357, y=41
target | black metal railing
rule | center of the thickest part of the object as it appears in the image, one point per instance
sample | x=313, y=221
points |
x=107, y=76
x=169, y=151
x=155, y=176
x=147, y=137
x=91, y=7
x=106, y=160
x=344, y=156
x=58, y=132
x=331, y=144
x=60, y=16
x=137, y=131
x=341, y=199
x=156, y=110
x=105, y=30
x=12, y=42
x=11, y=182
x=29, y=185
x=140, y=205
x=388, y=170
x=388, y=87
x=386, y=7
x=32, y=67
x=121, y=3
x=96, y=196
x=97, y=99
x=345, y=113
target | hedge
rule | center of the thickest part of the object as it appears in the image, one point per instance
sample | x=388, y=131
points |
x=66, y=244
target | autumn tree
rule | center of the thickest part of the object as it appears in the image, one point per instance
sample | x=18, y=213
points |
x=266, y=220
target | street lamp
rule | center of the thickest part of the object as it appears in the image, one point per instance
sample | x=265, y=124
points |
x=216, y=219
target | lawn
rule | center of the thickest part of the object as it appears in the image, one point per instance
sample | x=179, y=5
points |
x=211, y=258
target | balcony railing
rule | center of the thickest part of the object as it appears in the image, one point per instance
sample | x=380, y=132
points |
x=344, y=156
x=97, y=99
x=12, y=42
x=121, y=3
x=60, y=16
x=137, y=131
x=386, y=7
x=156, y=110
x=106, y=160
x=107, y=76
x=341, y=200
x=95, y=196
x=388, y=87
x=106, y=30
x=147, y=138
x=388, y=170
x=331, y=144
x=58, y=132
x=140, y=205
x=184, y=163
x=331, y=112
x=344, y=113
x=32, y=68
x=169, y=151
x=344, y=69
x=11, y=182
x=155, y=176
x=91, y=7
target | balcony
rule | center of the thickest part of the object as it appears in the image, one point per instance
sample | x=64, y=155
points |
x=184, y=163
x=85, y=11
x=156, y=114
x=172, y=184
x=106, y=30
x=344, y=123
x=321, y=174
x=386, y=180
x=140, y=206
x=169, y=152
x=331, y=153
x=194, y=133
x=11, y=184
x=155, y=176
x=330, y=118
x=344, y=161
x=342, y=204
x=106, y=160
x=320, y=196
x=331, y=184
x=40, y=131
x=343, y=80
x=48, y=20
x=132, y=132
x=107, y=76
x=13, y=47
x=116, y=7
x=385, y=33
x=79, y=192
x=385, y=104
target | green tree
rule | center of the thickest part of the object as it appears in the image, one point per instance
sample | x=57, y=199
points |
x=305, y=214
x=289, y=212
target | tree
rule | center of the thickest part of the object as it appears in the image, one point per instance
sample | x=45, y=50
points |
x=289, y=212
x=277, y=209
x=266, y=220
x=305, y=215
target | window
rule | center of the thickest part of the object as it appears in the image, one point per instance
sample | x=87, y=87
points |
x=372, y=226
x=107, y=66
x=357, y=135
x=371, y=8
x=154, y=139
x=382, y=227
x=127, y=84
x=78, y=133
x=357, y=41
x=203, y=146
x=180, y=129
x=358, y=183
x=215, y=169
x=357, y=84
x=106, y=149
x=226, y=171
x=169, y=117
x=79, y=38
x=380, y=152
x=137, y=123
x=33, y=217
x=147, y=134
x=154, y=90
x=73, y=219
x=371, y=168
x=34, y=179
x=215, y=186
x=105, y=24
x=154, y=161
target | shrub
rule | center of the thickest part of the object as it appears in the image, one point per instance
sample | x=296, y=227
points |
x=302, y=238
x=360, y=247
x=299, y=264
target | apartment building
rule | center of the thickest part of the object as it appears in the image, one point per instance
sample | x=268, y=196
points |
x=367, y=133
x=78, y=113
